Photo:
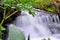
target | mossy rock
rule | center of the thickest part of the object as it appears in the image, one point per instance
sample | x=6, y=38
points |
x=45, y=5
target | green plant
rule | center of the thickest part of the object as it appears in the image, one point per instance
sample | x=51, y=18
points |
x=46, y=39
x=45, y=5
x=15, y=33
x=15, y=5
x=49, y=39
x=29, y=37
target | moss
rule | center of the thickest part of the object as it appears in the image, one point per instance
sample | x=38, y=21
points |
x=45, y=5
x=51, y=9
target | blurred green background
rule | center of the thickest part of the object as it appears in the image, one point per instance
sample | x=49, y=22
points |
x=46, y=5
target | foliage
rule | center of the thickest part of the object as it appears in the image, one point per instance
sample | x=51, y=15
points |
x=15, y=5
x=2, y=28
x=15, y=33
x=0, y=39
x=29, y=37
x=46, y=39
x=45, y=5
x=18, y=4
x=49, y=39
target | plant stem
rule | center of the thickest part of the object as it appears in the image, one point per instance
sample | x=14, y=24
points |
x=0, y=35
x=5, y=18
x=11, y=14
x=1, y=24
x=0, y=29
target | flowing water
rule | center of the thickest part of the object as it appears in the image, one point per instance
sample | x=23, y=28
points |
x=42, y=25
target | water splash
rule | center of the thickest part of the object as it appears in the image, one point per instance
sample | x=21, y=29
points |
x=42, y=25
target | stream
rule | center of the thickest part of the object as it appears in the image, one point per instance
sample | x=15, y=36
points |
x=42, y=25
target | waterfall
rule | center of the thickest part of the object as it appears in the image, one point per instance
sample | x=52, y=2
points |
x=43, y=24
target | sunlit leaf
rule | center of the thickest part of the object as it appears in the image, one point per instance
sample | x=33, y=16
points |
x=2, y=28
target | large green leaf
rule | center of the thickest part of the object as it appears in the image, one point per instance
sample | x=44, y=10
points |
x=2, y=28
x=0, y=39
x=15, y=34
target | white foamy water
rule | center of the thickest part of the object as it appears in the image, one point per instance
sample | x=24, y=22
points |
x=41, y=26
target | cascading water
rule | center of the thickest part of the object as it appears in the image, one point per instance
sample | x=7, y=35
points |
x=42, y=25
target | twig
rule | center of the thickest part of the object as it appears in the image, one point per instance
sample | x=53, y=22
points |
x=1, y=24
x=11, y=14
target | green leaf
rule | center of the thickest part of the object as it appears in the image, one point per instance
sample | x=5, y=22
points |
x=43, y=39
x=15, y=34
x=29, y=37
x=31, y=12
x=0, y=39
x=48, y=38
x=2, y=28
x=13, y=7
